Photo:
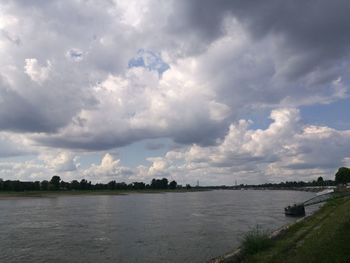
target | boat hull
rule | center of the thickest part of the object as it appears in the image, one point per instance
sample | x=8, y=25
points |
x=295, y=210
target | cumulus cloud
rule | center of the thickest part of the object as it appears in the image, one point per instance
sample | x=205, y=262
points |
x=100, y=75
x=221, y=68
x=109, y=169
x=286, y=150
x=61, y=162
x=24, y=171
x=36, y=72
x=14, y=145
x=142, y=105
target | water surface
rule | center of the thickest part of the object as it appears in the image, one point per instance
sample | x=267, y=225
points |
x=167, y=227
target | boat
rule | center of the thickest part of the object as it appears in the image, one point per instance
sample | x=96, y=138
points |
x=295, y=210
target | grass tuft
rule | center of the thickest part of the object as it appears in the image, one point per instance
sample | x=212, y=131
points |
x=256, y=240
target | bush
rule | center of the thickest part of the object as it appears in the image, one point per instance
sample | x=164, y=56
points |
x=255, y=240
x=343, y=175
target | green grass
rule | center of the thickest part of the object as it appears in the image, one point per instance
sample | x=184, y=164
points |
x=323, y=237
x=255, y=241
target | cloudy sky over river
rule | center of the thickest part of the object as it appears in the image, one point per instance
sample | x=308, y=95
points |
x=215, y=91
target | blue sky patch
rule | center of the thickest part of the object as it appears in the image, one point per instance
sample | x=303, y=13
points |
x=149, y=60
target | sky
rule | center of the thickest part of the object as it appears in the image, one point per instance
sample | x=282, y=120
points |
x=209, y=91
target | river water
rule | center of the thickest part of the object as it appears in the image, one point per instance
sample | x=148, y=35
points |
x=166, y=227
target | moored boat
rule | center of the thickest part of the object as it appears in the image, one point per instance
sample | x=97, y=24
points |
x=295, y=210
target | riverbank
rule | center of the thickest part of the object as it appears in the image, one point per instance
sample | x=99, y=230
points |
x=322, y=237
x=38, y=194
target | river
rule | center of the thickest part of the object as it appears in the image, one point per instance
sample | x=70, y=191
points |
x=166, y=227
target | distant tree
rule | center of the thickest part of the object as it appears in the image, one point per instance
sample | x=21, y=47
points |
x=84, y=185
x=44, y=185
x=138, y=186
x=159, y=183
x=320, y=181
x=36, y=186
x=121, y=186
x=164, y=183
x=172, y=185
x=64, y=185
x=9, y=185
x=112, y=185
x=75, y=185
x=188, y=186
x=55, y=182
x=154, y=183
x=342, y=176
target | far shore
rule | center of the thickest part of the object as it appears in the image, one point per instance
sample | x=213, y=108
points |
x=41, y=194
x=52, y=193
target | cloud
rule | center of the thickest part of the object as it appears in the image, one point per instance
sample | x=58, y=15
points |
x=109, y=169
x=24, y=171
x=286, y=150
x=82, y=75
x=210, y=57
x=141, y=105
x=14, y=145
x=36, y=72
x=61, y=162
x=75, y=54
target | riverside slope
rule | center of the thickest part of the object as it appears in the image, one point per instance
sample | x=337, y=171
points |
x=322, y=237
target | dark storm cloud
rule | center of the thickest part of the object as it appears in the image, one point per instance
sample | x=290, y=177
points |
x=319, y=30
x=18, y=114
x=85, y=42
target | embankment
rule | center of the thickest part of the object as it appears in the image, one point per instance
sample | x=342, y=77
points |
x=322, y=237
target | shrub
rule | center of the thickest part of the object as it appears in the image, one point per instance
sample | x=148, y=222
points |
x=256, y=240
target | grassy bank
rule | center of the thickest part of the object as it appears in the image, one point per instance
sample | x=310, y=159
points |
x=323, y=237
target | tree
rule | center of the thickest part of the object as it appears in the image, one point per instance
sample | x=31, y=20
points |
x=164, y=183
x=112, y=185
x=320, y=181
x=75, y=185
x=138, y=185
x=159, y=183
x=84, y=185
x=342, y=176
x=172, y=185
x=44, y=185
x=55, y=182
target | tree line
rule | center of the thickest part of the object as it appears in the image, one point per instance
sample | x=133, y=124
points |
x=56, y=184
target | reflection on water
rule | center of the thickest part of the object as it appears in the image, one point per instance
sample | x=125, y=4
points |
x=170, y=227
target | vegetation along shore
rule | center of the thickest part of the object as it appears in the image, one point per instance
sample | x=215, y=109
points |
x=321, y=237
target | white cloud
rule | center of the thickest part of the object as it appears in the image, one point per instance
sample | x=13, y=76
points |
x=141, y=105
x=286, y=150
x=15, y=145
x=109, y=169
x=159, y=167
x=24, y=171
x=36, y=72
x=60, y=162
x=227, y=60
